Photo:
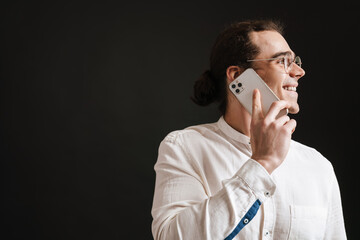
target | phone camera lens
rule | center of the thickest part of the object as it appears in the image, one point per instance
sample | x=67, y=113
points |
x=239, y=84
x=233, y=86
x=237, y=90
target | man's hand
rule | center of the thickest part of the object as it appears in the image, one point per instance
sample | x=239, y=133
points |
x=270, y=137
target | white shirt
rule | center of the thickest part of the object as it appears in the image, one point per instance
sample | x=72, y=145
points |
x=207, y=187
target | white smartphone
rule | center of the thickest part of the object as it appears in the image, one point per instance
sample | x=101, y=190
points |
x=243, y=87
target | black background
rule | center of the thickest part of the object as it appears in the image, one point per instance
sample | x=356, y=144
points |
x=89, y=89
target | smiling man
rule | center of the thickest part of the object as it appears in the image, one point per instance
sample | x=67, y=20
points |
x=243, y=177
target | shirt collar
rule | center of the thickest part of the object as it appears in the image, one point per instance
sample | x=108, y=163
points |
x=232, y=133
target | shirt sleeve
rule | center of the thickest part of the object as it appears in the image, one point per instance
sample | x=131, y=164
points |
x=182, y=208
x=335, y=227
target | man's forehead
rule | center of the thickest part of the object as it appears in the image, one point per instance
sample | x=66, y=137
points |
x=285, y=53
x=270, y=44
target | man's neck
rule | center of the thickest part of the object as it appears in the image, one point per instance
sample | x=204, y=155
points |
x=238, y=118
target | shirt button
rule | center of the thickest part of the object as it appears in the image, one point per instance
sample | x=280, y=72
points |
x=246, y=221
x=267, y=194
x=267, y=233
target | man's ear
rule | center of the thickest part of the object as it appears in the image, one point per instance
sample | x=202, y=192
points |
x=233, y=72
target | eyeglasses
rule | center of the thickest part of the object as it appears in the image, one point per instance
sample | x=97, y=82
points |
x=287, y=61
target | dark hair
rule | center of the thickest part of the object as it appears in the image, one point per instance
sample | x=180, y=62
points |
x=232, y=47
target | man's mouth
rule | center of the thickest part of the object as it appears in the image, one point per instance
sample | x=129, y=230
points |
x=287, y=88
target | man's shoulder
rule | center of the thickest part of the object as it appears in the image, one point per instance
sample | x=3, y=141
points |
x=310, y=154
x=194, y=132
x=302, y=147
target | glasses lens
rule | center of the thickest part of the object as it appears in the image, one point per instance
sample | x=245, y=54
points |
x=297, y=61
x=289, y=61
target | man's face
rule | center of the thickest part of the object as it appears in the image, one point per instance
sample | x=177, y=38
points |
x=271, y=45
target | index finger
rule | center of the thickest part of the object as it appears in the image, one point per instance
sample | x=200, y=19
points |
x=257, y=112
x=276, y=107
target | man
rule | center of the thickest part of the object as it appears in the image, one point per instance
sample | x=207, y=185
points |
x=243, y=177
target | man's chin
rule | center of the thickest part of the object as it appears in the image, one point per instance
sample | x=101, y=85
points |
x=294, y=109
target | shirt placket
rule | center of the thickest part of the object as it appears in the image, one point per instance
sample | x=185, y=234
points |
x=269, y=217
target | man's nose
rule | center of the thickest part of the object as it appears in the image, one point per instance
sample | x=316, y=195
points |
x=296, y=71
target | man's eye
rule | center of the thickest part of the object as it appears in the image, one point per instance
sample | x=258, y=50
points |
x=281, y=61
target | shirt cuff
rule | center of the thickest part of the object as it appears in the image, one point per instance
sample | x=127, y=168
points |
x=258, y=179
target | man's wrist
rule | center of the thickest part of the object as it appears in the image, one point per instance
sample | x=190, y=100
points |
x=267, y=164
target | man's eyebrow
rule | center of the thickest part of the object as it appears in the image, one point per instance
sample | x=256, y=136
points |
x=279, y=54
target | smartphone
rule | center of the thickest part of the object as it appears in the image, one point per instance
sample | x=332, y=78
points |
x=243, y=87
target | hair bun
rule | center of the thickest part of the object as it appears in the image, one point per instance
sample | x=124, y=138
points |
x=205, y=91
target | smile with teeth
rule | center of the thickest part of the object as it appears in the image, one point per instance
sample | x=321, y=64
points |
x=290, y=88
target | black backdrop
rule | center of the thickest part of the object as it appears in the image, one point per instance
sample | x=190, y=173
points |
x=88, y=91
